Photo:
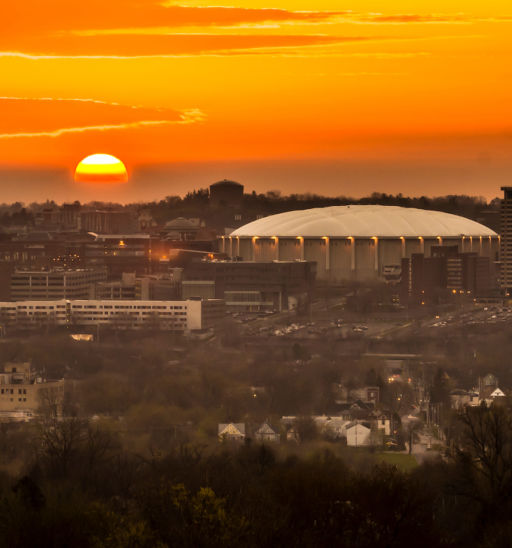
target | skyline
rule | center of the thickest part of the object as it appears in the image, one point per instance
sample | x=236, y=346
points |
x=294, y=96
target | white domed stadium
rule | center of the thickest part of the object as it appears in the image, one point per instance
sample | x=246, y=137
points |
x=357, y=242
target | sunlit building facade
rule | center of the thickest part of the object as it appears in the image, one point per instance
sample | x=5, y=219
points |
x=179, y=316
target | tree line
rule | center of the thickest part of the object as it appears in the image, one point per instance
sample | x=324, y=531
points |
x=79, y=487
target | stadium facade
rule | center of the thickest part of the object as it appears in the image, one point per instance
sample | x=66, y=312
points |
x=357, y=242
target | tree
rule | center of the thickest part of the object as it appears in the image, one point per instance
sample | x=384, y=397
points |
x=484, y=462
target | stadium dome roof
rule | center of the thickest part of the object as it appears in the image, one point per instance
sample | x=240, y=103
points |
x=364, y=221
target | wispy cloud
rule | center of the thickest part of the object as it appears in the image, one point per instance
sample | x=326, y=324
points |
x=281, y=52
x=25, y=117
x=185, y=45
x=422, y=19
x=380, y=18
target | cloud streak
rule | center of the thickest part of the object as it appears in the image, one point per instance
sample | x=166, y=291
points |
x=24, y=117
x=175, y=45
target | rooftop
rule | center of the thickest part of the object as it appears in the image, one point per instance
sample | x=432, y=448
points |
x=364, y=221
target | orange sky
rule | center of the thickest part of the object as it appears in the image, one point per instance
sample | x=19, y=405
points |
x=340, y=98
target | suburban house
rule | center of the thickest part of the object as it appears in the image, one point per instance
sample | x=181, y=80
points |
x=463, y=398
x=267, y=433
x=496, y=394
x=231, y=431
x=381, y=420
x=487, y=392
x=332, y=427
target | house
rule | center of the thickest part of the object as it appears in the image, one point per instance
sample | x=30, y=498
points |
x=498, y=393
x=332, y=427
x=366, y=394
x=381, y=421
x=494, y=396
x=358, y=434
x=487, y=383
x=356, y=410
x=267, y=433
x=292, y=434
x=231, y=431
x=464, y=398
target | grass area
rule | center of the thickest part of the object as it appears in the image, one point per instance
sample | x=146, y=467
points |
x=402, y=461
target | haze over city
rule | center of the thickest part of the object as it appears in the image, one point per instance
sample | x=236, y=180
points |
x=255, y=274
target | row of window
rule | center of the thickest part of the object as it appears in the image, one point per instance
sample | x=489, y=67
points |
x=11, y=391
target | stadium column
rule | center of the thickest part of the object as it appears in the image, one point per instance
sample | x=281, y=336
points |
x=231, y=246
x=376, y=244
x=238, y=246
x=352, y=253
x=301, y=244
x=422, y=244
x=254, y=238
x=276, y=245
x=402, y=240
x=327, y=252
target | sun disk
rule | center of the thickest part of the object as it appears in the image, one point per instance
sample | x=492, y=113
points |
x=101, y=168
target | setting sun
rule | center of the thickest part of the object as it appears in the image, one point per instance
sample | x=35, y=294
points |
x=101, y=168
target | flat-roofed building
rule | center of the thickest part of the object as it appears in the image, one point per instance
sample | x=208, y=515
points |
x=446, y=271
x=251, y=286
x=108, y=221
x=55, y=284
x=179, y=316
x=24, y=393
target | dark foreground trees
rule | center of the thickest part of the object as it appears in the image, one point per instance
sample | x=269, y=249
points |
x=81, y=488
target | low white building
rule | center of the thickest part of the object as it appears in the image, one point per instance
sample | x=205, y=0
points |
x=358, y=435
x=179, y=316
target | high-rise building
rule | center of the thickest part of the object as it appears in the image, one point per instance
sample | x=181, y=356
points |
x=506, y=239
x=427, y=279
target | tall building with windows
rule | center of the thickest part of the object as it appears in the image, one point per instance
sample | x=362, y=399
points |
x=506, y=239
x=55, y=284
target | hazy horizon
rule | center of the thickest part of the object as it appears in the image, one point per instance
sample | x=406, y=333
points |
x=325, y=177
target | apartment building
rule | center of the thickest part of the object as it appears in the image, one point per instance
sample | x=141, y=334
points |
x=24, y=393
x=179, y=316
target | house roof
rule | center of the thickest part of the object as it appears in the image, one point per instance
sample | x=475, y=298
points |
x=357, y=423
x=232, y=429
x=265, y=428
